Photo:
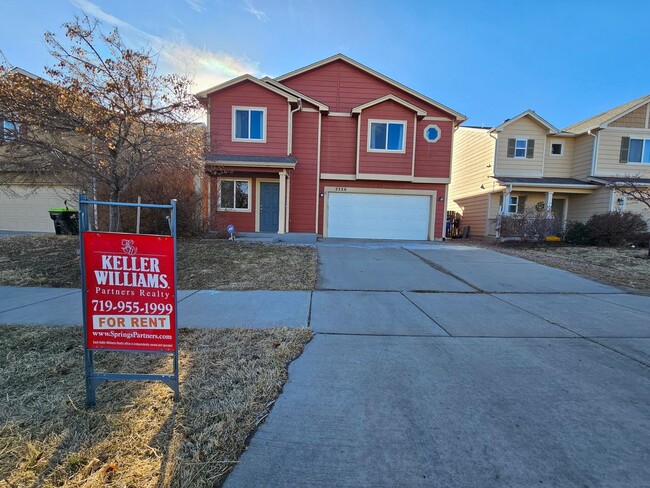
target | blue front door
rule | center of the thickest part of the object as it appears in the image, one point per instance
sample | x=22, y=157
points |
x=269, y=206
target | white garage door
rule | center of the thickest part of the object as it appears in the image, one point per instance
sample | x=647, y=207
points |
x=26, y=210
x=377, y=216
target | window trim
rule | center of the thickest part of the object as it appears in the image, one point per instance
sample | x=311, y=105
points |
x=432, y=126
x=404, y=124
x=643, y=144
x=525, y=148
x=233, y=132
x=516, y=204
x=550, y=149
x=223, y=209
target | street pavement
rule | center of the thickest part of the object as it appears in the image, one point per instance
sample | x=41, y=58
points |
x=434, y=365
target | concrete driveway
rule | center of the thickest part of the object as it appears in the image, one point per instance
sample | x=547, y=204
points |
x=442, y=365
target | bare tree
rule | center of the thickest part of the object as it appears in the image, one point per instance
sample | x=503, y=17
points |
x=635, y=187
x=106, y=118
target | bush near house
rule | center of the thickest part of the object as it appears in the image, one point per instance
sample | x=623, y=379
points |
x=576, y=233
x=615, y=229
x=529, y=225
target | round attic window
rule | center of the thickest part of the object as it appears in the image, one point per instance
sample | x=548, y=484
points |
x=432, y=133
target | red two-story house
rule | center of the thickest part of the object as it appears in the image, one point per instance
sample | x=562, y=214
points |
x=334, y=149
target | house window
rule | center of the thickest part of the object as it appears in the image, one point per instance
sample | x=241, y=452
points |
x=249, y=124
x=432, y=133
x=513, y=204
x=639, y=151
x=234, y=195
x=386, y=136
x=557, y=149
x=520, y=148
x=10, y=131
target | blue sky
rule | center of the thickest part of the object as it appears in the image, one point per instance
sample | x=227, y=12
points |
x=490, y=60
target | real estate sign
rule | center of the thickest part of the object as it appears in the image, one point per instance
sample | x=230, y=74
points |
x=130, y=292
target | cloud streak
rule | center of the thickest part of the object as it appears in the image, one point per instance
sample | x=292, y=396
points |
x=207, y=68
x=250, y=8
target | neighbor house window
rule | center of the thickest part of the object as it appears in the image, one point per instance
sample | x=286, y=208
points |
x=513, y=204
x=386, y=135
x=10, y=131
x=234, y=195
x=557, y=149
x=639, y=151
x=520, y=149
x=249, y=124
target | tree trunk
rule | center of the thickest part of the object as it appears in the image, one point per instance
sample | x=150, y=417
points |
x=114, y=219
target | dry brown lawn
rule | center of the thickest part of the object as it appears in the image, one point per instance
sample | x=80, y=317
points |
x=617, y=266
x=53, y=261
x=136, y=436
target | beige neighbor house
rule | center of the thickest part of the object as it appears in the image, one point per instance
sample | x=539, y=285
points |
x=526, y=164
x=25, y=199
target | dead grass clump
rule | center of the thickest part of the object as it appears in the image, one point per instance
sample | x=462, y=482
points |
x=53, y=261
x=136, y=436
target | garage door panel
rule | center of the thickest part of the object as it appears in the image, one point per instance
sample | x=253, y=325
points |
x=378, y=216
x=26, y=209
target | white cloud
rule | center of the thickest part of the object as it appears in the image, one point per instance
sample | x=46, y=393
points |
x=250, y=8
x=207, y=68
x=196, y=5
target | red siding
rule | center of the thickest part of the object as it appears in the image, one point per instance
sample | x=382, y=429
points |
x=439, y=205
x=342, y=87
x=248, y=94
x=339, y=145
x=432, y=160
x=386, y=163
x=303, y=185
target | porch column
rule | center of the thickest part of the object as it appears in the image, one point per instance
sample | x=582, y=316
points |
x=506, y=201
x=283, y=203
x=549, y=202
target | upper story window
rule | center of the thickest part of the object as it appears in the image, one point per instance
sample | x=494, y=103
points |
x=10, y=131
x=386, y=135
x=557, y=149
x=638, y=151
x=521, y=148
x=249, y=124
x=432, y=133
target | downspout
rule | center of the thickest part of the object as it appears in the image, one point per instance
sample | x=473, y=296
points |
x=593, y=152
x=290, y=144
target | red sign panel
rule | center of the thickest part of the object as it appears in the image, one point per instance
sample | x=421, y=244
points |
x=130, y=291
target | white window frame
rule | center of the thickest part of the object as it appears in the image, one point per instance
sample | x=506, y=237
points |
x=234, y=124
x=404, y=123
x=643, y=142
x=525, y=148
x=225, y=209
x=432, y=126
x=515, y=199
x=550, y=149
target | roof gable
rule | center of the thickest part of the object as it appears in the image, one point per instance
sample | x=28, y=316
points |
x=527, y=113
x=604, y=118
x=342, y=58
x=358, y=109
x=296, y=93
x=202, y=95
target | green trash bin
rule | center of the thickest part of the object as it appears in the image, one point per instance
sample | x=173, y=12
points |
x=66, y=221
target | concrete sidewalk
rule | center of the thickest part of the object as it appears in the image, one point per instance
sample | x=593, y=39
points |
x=204, y=308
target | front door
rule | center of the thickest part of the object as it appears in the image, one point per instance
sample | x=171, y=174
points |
x=269, y=206
x=557, y=207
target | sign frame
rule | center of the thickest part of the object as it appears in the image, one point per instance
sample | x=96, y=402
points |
x=94, y=379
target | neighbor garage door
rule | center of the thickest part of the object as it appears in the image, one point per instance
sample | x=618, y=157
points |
x=378, y=216
x=23, y=209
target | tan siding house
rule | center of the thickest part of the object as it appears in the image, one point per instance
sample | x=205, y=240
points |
x=567, y=174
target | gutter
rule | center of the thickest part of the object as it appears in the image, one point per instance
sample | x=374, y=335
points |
x=594, y=152
x=290, y=142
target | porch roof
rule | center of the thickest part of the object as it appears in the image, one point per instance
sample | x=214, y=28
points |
x=548, y=182
x=252, y=161
x=620, y=180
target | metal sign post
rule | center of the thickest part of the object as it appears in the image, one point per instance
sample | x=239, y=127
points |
x=129, y=295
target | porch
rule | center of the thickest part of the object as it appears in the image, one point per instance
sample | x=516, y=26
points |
x=249, y=192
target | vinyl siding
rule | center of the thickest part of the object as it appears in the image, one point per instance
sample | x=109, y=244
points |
x=524, y=128
x=609, y=151
x=635, y=119
x=303, y=179
x=581, y=207
x=432, y=158
x=558, y=166
x=473, y=153
x=339, y=145
x=582, y=156
x=635, y=206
